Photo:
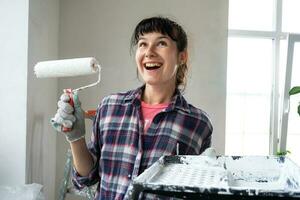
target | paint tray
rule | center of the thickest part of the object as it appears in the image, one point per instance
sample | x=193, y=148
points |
x=221, y=177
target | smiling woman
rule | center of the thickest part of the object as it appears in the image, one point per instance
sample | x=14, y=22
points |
x=134, y=129
x=160, y=38
x=158, y=61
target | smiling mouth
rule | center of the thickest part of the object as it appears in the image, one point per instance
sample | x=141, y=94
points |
x=152, y=66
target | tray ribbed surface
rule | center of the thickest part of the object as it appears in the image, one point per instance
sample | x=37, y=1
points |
x=190, y=175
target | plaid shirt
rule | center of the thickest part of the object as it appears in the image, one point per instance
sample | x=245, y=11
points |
x=122, y=150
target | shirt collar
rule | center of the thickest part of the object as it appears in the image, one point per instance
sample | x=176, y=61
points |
x=177, y=102
x=135, y=96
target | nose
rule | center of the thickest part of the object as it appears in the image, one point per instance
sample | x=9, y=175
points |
x=150, y=52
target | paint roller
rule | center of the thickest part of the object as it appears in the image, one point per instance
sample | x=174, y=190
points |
x=69, y=68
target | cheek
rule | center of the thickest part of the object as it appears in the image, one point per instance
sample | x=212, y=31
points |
x=138, y=64
x=138, y=59
x=173, y=56
x=174, y=61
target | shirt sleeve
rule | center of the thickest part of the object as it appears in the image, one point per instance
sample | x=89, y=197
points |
x=207, y=135
x=94, y=147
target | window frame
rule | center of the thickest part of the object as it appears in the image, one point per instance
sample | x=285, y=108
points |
x=292, y=39
x=276, y=36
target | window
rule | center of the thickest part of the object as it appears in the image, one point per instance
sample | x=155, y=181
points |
x=248, y=94
x=241, y=14
x=255, y=76
x=290, y=16
x=293, y=132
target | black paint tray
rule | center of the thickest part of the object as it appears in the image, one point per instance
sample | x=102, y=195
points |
x=221, y=177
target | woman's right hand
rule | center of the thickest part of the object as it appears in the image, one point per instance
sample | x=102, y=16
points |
x=69, y=119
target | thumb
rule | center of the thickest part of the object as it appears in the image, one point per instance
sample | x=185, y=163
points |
x=76, y=100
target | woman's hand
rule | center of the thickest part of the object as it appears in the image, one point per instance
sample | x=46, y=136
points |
x=69, y=118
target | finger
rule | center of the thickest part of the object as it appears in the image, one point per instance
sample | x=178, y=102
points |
x=71, y=118
x=56, y=126
x=67, y=124
x=62, y=113
x=66, y=107
x=58, y=119
x=65, y=97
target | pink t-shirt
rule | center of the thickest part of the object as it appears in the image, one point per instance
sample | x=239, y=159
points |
x=149, y=111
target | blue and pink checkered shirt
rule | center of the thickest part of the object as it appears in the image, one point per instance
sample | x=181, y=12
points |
x=122, y=150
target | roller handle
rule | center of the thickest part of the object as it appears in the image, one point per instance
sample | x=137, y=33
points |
x=89, y=114
x=71, y=102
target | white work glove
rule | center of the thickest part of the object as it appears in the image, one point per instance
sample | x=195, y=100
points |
x=69, y=119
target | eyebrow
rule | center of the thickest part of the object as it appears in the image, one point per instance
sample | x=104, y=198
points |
x=160, y=37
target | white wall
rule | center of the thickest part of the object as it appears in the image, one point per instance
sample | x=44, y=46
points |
x=13, y=86
x=28, y=33
x=103, y=29
x=42, y=95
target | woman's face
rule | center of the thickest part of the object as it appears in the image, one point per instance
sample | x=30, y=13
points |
x=157, y=59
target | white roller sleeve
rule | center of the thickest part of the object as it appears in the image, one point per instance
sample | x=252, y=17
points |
x=66, y=67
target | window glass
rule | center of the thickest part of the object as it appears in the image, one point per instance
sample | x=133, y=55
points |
x=249, y=75
x=290, y=16
x=293, y=136
x=249, y=65
x=251, y=14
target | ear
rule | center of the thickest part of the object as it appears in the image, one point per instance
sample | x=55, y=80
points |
x=183, y=56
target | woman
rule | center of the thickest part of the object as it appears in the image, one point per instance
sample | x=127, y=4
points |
x=134, y=129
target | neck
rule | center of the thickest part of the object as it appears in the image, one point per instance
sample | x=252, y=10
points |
x=157, y=94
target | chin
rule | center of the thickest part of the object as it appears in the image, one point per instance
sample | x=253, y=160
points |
x=152, y=83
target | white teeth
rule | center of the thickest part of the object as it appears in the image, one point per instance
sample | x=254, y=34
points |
x=152, y=65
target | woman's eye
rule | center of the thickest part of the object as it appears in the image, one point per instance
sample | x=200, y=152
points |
x=162, y=43
x=142, y=44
